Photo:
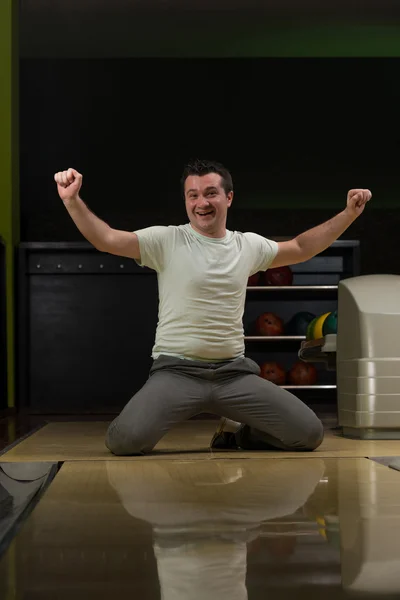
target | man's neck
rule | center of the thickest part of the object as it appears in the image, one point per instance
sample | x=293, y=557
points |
x=216, y=235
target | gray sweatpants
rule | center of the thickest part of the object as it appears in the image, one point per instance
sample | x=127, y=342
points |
x=179, y=389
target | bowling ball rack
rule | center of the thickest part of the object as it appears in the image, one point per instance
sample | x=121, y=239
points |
x=314, y=289
x=320, y=350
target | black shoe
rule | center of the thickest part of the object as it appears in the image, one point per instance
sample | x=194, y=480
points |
x=225, y=436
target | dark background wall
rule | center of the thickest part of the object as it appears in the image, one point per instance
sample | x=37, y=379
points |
x=128, y=92
x=123, y=28
x=296, y=134
x=300, y=110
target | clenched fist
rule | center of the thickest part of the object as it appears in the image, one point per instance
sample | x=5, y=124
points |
x=68, y=184
x=356, y=201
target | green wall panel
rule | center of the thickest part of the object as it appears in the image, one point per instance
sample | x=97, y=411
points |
x=9, y=213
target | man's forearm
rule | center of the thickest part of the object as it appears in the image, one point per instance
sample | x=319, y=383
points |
x=91, y=227
x=319, y=238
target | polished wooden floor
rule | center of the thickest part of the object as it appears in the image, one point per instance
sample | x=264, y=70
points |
x=189, y=524
x=60, y=441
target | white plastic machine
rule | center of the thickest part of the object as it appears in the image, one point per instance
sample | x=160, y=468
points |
x=366, y=353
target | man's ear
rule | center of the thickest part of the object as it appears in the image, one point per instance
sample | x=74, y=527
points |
x=230, y=198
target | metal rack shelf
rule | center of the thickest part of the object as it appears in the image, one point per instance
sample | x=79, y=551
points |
x=273, y=338
x=296, y=288
x=308, y=387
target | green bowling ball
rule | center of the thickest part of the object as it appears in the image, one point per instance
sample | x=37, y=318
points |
x=330, y=323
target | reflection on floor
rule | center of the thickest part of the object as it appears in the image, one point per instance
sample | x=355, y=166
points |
x=183, y=527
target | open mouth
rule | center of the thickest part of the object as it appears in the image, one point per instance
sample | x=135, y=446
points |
x=205, y=213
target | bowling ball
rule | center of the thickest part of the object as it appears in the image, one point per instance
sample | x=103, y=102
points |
x=273, y=371
x=282, y=543
x=317, y=333
x=330, y=323
x=269, y=324
x=302, y=373
x=298, y=323
x=310, y=329
x=254, y=279
x=278, y=276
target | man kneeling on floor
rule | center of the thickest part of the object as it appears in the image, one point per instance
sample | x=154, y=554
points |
x=199, y=356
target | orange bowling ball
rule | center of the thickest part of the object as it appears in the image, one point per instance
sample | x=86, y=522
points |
x=302, y=373
x=273, y=371
x=254, y=279
x=278, y=276
x=269, y=324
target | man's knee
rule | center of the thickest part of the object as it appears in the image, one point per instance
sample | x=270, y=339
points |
x=124, y=442
x=313, y=435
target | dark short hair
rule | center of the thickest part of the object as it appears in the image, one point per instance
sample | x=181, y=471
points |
x=203, y=167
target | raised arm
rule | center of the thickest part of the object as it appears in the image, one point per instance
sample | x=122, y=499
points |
x=96, y=231
x=316, y=240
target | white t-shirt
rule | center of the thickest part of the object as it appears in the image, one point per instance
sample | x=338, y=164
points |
x=205, y=570
x=202, y=288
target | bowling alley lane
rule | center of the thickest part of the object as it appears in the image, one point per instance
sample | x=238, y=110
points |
x=196, y=530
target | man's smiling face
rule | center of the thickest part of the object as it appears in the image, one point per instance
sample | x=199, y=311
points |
x=207, y=204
